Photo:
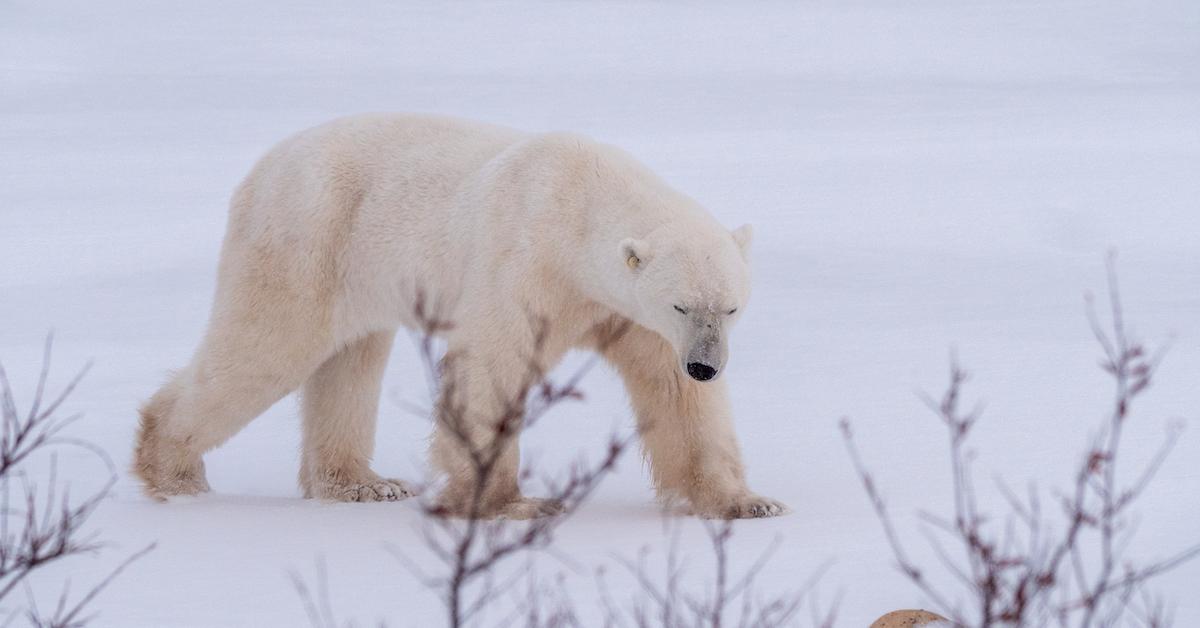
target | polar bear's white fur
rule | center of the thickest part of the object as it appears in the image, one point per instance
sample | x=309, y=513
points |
x=337, y=230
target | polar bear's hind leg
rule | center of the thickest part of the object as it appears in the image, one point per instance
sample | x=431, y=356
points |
x=163, y=474
x=198, y=410
x=263, y=342
x=340, y=402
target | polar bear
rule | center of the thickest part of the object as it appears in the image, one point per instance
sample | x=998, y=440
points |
x=339, y=229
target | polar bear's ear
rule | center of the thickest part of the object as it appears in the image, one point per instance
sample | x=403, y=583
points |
x=635, y=252
x=742, y=235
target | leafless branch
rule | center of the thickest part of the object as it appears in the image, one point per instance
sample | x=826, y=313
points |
x=1029, y=573
x=470, y=549
x=43, y=525
x=664, y=602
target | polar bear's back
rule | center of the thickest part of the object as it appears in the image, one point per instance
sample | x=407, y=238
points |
x=369, y=199
x=389, y=153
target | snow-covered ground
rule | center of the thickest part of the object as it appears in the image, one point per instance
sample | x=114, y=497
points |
x=922, y=175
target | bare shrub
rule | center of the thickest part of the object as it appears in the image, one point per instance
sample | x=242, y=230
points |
x=1020, y=569
x=470, y=550
x=43, y=525
x=731, y=600
x=317, y=605
x=471, y=547
x=544, y=604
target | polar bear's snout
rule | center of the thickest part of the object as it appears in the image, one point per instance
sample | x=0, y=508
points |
x=700, y=371
x=707, y=350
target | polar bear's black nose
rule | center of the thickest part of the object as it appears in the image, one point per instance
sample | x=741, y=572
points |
x=701, y=372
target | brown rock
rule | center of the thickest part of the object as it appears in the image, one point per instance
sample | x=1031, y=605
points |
x=906, y=619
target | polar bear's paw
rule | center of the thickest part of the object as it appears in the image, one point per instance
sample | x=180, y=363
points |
x=166, y=467
x=363, y=490
x=531, y=508
x=381, y=490
x=519, y=508
x=190, y=481
x=748, y=506
x=182, y=480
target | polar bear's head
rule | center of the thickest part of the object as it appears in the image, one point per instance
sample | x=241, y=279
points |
x=690, y=287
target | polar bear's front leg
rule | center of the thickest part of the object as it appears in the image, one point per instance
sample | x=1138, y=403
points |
x=479, y=416
x=694, y=450
x=687, y=430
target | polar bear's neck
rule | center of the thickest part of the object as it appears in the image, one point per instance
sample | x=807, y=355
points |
x=644, y=208
x=584, y=198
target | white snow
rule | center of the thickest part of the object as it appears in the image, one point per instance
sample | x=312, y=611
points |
x=922, y=175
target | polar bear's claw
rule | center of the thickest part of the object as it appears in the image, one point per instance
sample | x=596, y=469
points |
x=765, y=509
x=373, y=490
x=530, y=508
x=746, y=507
x=521, y=508
x=758, y=507
x=379, y=491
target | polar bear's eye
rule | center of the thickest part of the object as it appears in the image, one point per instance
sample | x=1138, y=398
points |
x=679, y=309
x=730, y=312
